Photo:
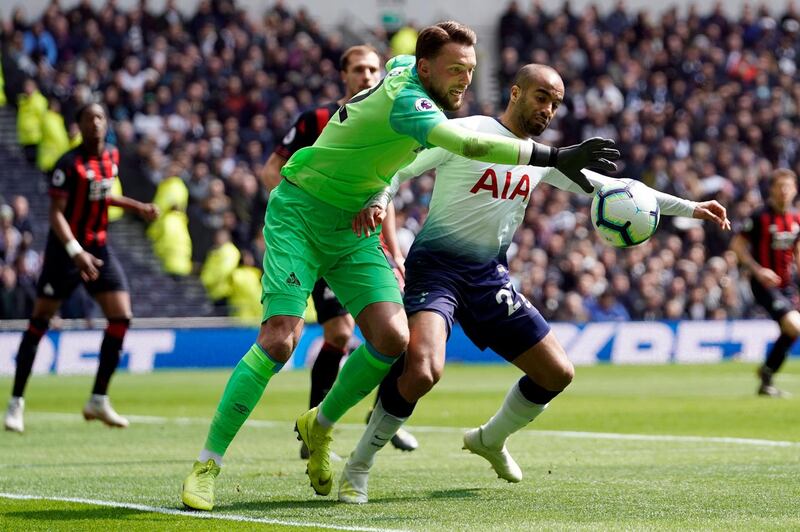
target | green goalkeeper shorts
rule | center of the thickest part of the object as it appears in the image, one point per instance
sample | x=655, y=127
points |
x=307, y=239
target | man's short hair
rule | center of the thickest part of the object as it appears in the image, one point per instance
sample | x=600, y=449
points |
x=361, y=49
x=433, y=38
x=85, y=107
x=781, y=173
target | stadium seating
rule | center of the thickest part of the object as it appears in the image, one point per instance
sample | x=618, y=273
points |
x=154, y=292
x=226, y=95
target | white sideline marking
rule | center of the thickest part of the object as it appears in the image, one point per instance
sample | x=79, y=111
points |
x=258, y=423
x=187, y=513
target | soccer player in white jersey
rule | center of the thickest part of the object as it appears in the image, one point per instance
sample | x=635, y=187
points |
x=457, y=269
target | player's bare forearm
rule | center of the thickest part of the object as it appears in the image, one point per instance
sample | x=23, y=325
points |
x=129, y=204
x=148, y=211
x=389, y=230
x=767, y=277
x=271, y=173
x=740, y=246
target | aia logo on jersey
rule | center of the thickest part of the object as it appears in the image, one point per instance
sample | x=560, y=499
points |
x=489, y=182
x=423, y=104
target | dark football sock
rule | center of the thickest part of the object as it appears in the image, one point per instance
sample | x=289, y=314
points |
x=394, y=403
x=324, y=372
x=535, y=393
x=777, y=355
x=27, y=353
x=109, y=354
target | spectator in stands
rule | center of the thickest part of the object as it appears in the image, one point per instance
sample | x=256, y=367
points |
x=31, y=106
x=245, y=291
x=39, y=42
x=10, y=237
x=221, y=261
x=607, y=308
x=26, y=265
x=22, y=220
x=55, y=139
x=705, y=113
x=12, y=295
x=170, y=232
x=3, y=97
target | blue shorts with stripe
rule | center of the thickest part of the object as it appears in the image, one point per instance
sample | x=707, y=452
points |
x=480, y=297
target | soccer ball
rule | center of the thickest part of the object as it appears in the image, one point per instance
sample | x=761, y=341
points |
x=625, y=213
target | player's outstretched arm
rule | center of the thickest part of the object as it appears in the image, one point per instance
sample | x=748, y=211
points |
x=148, y=211
x=712, y=211
x=595, y=152
x=668, y=204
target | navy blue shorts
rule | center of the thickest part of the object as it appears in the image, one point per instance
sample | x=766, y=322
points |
x=481, y=297
x=60, y=276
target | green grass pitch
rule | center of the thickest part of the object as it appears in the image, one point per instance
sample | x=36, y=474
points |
x=625, y=448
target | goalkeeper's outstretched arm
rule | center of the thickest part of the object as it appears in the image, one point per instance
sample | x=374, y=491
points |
x=595, y=152
x=490, y=148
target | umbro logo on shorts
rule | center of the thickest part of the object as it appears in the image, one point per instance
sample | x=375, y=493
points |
x=242, y=409
x=293, y=280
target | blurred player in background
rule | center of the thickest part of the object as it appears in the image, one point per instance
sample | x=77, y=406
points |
x=308, y=235
x=77, y=251
x=360, y=70
x=458, y=270
x=768, y=247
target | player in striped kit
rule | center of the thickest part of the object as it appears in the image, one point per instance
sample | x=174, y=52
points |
x=768, y=247
x=457, y=269
x=77, y=251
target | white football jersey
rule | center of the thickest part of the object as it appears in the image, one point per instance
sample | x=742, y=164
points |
x=476, y=206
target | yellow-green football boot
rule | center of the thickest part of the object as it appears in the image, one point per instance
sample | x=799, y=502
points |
x=318, y=440
x=198, y=488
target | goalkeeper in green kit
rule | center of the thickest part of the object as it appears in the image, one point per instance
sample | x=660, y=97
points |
x=308, y=234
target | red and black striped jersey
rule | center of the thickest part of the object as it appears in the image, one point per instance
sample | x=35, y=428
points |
x=773, y=238
x=86, y=180
x=306, y=129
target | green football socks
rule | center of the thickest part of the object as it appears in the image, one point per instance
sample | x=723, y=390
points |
x=242, y=393
x=363, y=371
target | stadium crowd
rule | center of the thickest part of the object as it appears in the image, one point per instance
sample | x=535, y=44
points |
x=702, y=105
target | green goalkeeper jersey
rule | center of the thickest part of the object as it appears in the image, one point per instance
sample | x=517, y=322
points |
x=371, y=137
